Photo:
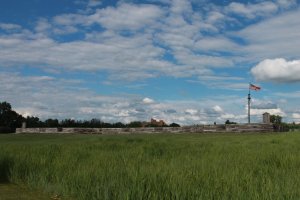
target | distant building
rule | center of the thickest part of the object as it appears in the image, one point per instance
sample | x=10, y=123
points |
x=266, y=118
x=157, y=122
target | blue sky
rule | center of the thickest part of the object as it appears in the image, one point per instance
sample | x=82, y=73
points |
x=187, y=62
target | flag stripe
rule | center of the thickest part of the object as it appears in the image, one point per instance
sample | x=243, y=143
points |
x=254, y=87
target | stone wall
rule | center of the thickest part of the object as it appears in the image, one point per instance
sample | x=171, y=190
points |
x=231, y=128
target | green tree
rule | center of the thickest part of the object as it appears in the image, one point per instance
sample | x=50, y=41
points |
x=33, y=122
x=135, y=124
x=8, y=117
x=52, y=123
x=229, y=122
x=174, y=125
x=278, y=124
x=276, y=119
x=119, y=125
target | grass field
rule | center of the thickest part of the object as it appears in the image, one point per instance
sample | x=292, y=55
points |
x=17, y=192
x=186, y=166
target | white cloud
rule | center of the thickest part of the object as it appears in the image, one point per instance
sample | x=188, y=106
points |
x=187, y=57
x=94, y=3
x=258, y=107
x=58, y=98
x=223, y=82
x=140, y=55
x=228, y=116
x=215, y=17
x=113, y=53
x=9, y=27
x=276, y=37
x=43, y=26
x=218, y=108
x=108, y=50
x=286, y=3
x=65, y=30
x=276, y=111
x=71, y=19
x=277, y=70
x=249, y=10
x=191, y=111
x=220, y=44
x=258, y=104
x=127, y=16
x=294, y=94
x=148, y=100
x=179, y=7
x=296, y=117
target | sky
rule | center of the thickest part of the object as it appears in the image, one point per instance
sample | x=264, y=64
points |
x=183, y=61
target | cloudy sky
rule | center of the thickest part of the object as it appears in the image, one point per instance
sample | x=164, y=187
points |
x=184, y=61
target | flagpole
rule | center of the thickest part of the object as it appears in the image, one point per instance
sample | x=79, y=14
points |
x=251, y=87
x=249, y=100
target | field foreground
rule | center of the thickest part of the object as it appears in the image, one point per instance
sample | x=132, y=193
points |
x=17, y=192
x=161, y=166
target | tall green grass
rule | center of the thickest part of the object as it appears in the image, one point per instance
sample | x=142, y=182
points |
x=155, y=166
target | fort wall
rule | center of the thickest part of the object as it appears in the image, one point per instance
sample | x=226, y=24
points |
x=228, y=128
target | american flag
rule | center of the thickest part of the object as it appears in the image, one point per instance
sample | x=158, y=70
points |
x=254, y=87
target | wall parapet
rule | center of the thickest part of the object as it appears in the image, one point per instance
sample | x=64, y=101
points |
x=228, y=128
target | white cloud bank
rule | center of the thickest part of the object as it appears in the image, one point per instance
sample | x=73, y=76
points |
x=130, y=45
x=67, y=98
x=135, y=39
x=275, y=37
x=277, y=70
x=296, y=117
x=276, y=111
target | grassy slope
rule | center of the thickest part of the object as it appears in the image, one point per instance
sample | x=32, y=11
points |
x=16, y=192
x=155, y=166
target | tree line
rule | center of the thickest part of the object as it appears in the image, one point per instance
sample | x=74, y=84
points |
x=93, y=123
x=10, y=120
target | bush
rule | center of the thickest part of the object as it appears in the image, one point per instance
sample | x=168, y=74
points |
x=174, y=125
x=282, y=127
x=6, y=130
x=278, y=125
x=229, y=122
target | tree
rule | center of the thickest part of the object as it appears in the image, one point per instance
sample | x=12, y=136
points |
x=95, y=123
x=52, y=123
x=229, y=122
x=5, y=107
x=278, y=124
x=276, y=119
x=33, y=122
x=174, y=125
x=69, y=123
x=119, y=125
x=9, y=118
x=135, y=124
